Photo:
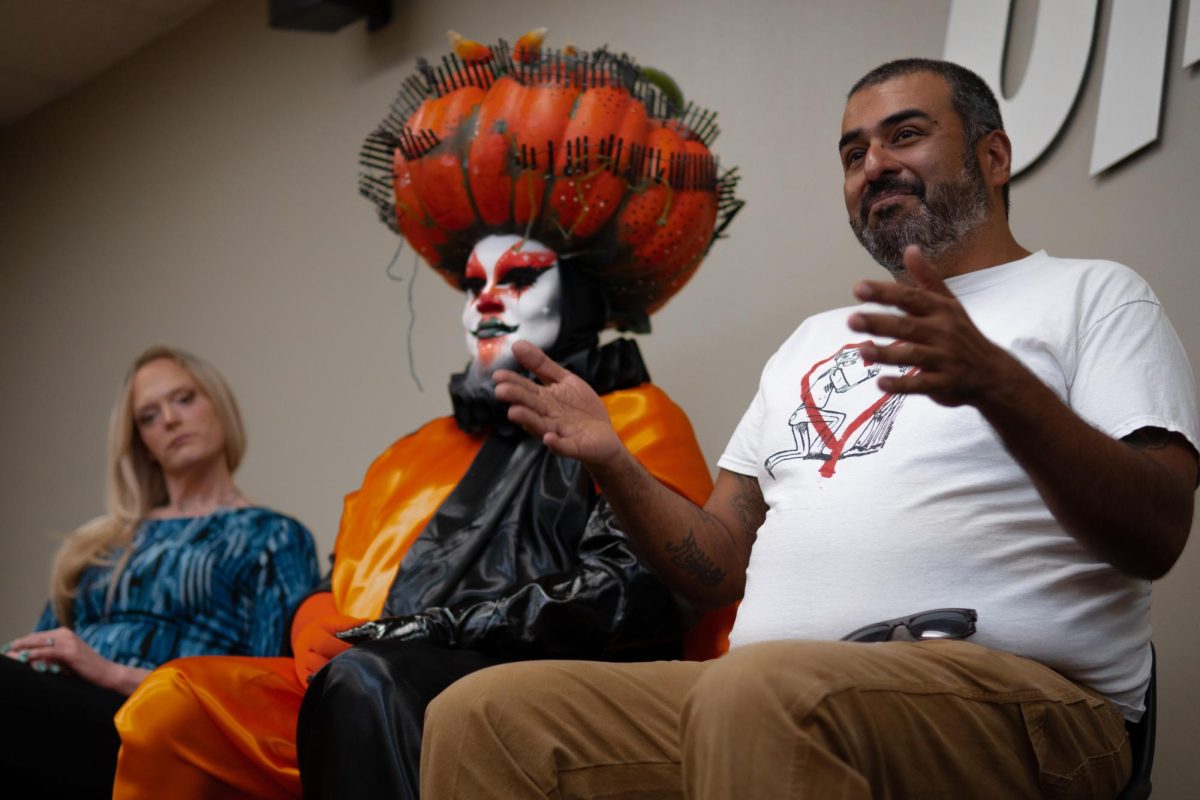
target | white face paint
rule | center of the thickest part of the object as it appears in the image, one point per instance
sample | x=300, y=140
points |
x=514, y=293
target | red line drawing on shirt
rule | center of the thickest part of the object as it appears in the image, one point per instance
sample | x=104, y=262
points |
x=842, y=388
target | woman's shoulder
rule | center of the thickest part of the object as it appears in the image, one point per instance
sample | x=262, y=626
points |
x=261, y=519
x=233, y=524
x=251, y=534
x=245, y=530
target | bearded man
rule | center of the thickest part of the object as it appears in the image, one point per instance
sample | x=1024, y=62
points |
x=943, y=556
x=562, y=192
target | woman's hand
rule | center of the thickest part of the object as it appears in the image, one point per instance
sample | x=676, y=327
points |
x=60, y=650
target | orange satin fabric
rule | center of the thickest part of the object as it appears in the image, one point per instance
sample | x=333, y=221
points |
x=224, y=726
x=402, y=489
x=314, y=607
x=211, y=726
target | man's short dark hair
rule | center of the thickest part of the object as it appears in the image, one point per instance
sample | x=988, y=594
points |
x=972, y=98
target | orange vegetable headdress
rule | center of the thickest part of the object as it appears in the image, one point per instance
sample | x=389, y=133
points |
x=585, y=152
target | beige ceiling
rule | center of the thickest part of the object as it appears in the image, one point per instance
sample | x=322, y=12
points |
x=49, y=47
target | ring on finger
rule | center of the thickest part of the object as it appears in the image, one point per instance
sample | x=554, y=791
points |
x=49, y=641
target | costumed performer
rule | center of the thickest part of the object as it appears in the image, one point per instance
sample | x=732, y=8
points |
x=563, y=193
x=182, y=564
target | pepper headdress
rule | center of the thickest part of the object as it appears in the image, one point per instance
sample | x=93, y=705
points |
x=590, y=154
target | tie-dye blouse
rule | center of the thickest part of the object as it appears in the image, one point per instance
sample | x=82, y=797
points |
x=227, y=582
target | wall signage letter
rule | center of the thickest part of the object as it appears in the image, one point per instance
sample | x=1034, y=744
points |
x=1131, y=87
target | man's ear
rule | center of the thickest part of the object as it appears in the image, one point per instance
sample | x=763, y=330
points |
x=995, y=158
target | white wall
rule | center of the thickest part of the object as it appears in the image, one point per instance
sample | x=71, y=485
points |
x=203, y=194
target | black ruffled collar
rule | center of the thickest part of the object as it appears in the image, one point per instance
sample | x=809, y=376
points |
x=616, y=365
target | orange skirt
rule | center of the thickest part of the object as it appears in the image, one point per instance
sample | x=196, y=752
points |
x=211, y=726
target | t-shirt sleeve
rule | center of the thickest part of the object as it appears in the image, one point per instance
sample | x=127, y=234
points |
x=741, y=454
x=1132, y=372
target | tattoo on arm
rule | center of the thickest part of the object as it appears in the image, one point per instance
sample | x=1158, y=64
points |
x=1149, y=439
x=1151, y=443
x=749, y=505
x=688, y=556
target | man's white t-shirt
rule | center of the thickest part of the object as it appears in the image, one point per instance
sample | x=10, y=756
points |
x=883, y=506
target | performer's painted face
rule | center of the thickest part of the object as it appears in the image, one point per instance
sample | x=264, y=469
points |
x=513, y=293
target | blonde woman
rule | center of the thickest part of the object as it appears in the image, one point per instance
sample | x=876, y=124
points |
x=181, y=565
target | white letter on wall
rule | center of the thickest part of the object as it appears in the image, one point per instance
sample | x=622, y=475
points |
x=1191, y=45
x=976, y=37
x=1131, y=88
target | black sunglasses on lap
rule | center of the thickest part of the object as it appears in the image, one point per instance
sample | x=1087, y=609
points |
x=939, y=623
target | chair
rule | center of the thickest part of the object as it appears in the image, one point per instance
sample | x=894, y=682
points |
x=1141, y=742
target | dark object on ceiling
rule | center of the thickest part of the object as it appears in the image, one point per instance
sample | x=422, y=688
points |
x=328, y=15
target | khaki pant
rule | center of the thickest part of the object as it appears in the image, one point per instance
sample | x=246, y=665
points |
x=824, y=720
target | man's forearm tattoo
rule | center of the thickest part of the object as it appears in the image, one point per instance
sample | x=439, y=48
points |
x=1150, y=439
x=688, y=556
x=749, y=505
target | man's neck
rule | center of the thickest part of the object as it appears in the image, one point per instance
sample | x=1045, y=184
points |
x=991, y=246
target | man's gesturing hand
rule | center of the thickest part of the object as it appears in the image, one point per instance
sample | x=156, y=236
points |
x=563, y=411
x=955, y=363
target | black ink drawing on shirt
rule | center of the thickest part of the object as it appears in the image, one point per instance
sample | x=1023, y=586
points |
x=838, y=389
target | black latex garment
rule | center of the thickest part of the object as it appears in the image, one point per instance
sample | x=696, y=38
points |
x=524, y=559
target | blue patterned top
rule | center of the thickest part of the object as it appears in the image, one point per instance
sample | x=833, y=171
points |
x=225, y=583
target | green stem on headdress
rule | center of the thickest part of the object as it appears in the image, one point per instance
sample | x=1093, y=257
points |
x=667, y=85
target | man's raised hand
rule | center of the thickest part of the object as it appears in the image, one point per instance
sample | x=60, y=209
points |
x=563, y=411
x=955, y=363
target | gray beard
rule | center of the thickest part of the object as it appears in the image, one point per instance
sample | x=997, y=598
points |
x=947, y=217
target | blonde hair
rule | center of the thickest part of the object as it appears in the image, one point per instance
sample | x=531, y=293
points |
x=134, y=482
